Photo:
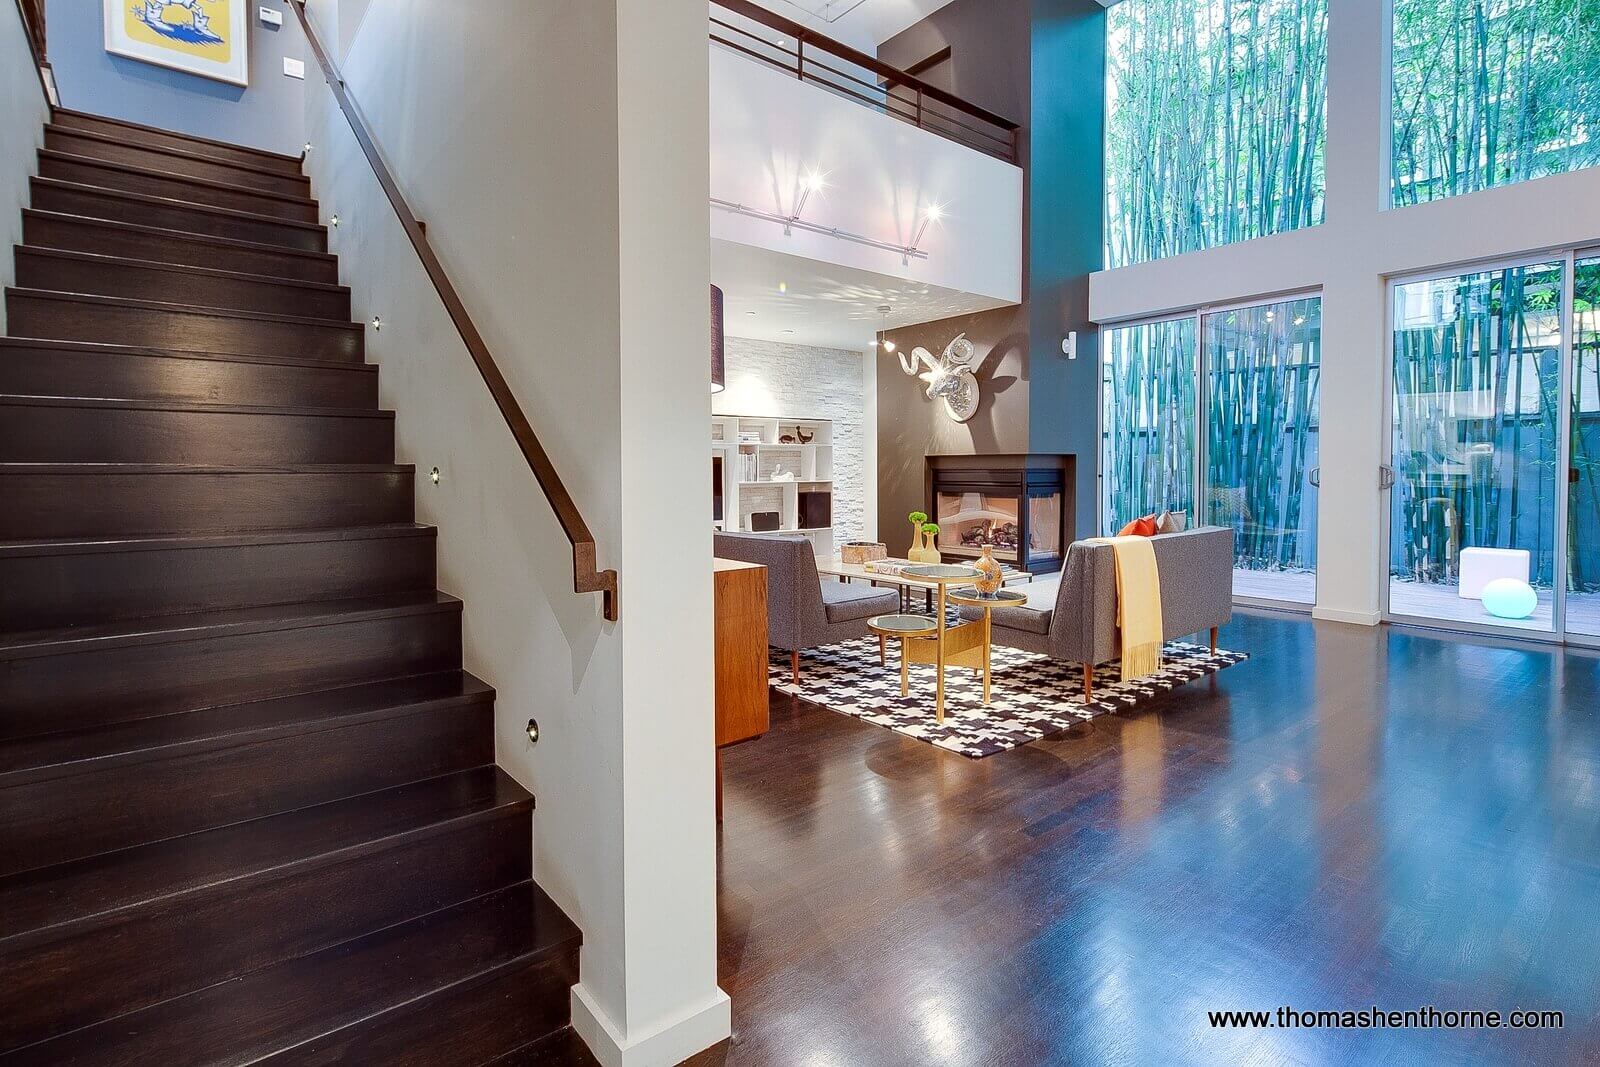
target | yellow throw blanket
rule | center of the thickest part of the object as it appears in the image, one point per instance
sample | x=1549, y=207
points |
x=1138, y=604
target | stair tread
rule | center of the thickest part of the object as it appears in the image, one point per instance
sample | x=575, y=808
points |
x=292, y=1003
x=167, y=201
x=163, y=231
x=187, y=309
x=48, y=546
x=176, y=176
x=176, y=153
x=205, y=624
x=195, y=406
x=266, y=152
x=184, y=353
x=42, y=902
x=180, y=268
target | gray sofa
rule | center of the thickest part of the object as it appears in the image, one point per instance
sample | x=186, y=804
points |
x=1073, y=616
x=803, y=611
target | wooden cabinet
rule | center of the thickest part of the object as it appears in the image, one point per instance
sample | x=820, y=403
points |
x=741, y=656
x=740, y=604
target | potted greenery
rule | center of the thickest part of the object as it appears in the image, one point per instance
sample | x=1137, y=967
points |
x=930, y=543
x=918, y=518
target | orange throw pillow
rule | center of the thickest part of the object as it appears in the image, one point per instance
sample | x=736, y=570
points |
x=1141, y=527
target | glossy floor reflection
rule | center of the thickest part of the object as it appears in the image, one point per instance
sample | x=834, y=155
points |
x=1355, y=817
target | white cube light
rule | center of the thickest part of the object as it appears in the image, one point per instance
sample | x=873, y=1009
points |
x=1480, y=566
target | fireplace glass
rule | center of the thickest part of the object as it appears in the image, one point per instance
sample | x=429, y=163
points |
x=1044, y=524
x=968, y=521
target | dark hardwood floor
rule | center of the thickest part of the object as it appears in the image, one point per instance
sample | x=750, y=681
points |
x=1356, y=817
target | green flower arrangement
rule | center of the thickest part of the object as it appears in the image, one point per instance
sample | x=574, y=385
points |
x=930, y=527
x=918, y=518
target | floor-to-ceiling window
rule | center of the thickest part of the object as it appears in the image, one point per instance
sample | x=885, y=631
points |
x=1215, y=123
x=1490, y=92
x=1479, y=433
x=1227, y=400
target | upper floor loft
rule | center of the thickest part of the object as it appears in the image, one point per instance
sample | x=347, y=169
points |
x=823, y=152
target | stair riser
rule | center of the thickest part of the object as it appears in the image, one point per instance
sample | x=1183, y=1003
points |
x=36, y=270
x=107, y=504
x=98, y=205
x=462, y=1027
x=91, y=235
x=194, y=330
x=85, y=815
x=246, y=177
x=110, y=176
x=77, y=981
x=89, y=588
x=162, y=139
x=63, y=372
x=53, y=434
x=81, y=690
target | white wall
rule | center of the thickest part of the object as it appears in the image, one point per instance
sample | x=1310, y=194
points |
x=21, y=135
x=555, y=180
x=769, y=131
x=800, y=381
x=1350, y=257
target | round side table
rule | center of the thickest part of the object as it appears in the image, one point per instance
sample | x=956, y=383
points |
x=906, y=628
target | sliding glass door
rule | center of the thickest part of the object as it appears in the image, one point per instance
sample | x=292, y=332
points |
x=1147, y=419
x=1262, y=372
x=1583, y=474
x=1476, y=442
x=1213, y=416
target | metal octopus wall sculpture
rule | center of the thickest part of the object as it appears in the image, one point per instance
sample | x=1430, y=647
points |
x=949, y=377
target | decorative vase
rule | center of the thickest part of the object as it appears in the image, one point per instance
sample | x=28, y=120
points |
x=989, y=583
x=930, y=548
x=914, y=554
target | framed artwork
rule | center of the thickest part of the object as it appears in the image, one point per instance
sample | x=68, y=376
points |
x=204, y=37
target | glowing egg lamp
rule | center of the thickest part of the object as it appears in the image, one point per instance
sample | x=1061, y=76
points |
x=1508, y=598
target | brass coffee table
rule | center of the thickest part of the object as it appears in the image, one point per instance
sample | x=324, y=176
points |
x=940, y=644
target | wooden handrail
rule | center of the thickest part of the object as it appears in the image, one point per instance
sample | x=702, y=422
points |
x=808, y=40
x=586, y=578
x=31, y=12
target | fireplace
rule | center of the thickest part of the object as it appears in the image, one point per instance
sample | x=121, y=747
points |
x=1021, y=505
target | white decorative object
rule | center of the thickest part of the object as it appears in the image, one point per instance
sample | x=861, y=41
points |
x=1480, y=566
x=205, y=37
x=1510, y=598
x=949, y=377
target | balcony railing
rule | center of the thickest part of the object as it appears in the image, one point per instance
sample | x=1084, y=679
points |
x=812, y=57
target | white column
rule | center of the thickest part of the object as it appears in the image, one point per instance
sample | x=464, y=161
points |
x=655, y=1000
x=1350, y=538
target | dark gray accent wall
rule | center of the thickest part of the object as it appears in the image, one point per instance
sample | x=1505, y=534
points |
x=1041, y=62
x=990, y=48
x=268, y=113
x=1065, y=234
x=911, y=427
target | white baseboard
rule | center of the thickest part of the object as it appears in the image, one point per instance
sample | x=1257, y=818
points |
x=1356, y=618
x=665, y=1046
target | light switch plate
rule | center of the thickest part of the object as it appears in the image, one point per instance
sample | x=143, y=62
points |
x=294, y=68
x=270, y=16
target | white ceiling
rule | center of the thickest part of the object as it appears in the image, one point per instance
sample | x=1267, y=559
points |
x=861, y=21
x=775, y=297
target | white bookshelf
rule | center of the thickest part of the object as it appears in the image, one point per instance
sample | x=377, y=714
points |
x=766, y=464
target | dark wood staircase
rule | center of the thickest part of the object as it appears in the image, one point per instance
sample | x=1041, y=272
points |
x=249, y=807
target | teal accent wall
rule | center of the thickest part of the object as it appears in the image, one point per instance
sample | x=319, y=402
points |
x=1065, y=233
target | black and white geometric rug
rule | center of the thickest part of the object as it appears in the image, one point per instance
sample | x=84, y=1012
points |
x=1031, y=696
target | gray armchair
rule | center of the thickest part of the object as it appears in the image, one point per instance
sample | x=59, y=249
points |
x=803, y=611
x=1073, y=618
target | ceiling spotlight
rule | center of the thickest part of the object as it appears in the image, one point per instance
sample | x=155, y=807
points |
x=934, y=212
x=749, y=312
x=783, y=287
x=888, y=346
x=815, y=181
